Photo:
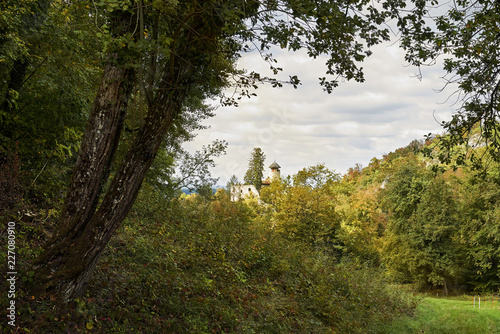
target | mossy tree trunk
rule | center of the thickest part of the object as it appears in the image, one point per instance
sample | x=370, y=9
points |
x=67, y=265
x=63, y=256
x=88, y=220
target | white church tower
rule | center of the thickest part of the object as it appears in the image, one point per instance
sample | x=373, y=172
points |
x=275, y=171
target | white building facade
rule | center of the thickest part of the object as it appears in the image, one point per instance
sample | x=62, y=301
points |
x=241, y=191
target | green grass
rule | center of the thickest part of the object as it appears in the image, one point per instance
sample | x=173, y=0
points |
x=453, y=316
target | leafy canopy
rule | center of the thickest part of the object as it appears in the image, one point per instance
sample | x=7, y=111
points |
x=466, y=34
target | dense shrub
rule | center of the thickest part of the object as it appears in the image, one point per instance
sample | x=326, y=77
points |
x=195, y=265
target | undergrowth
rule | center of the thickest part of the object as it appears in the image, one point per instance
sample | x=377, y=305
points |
x=202, y=266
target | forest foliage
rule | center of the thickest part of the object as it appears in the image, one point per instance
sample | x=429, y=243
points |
x=318, y=252
x=156, y=64
x=208, y=264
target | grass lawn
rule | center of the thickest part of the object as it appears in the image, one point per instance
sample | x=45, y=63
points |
x=453, y=316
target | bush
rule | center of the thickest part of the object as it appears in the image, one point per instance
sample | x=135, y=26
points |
x=201, y=266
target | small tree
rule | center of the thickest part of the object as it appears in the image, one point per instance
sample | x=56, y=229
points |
x=255, y=171
x=315, y=176
x=233, y=181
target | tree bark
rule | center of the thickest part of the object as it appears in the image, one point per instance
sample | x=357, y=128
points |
x=445, y=287
x=65, y=268
x=79, y=255
x=98, y=147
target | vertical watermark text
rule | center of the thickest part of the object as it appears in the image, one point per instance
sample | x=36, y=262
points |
x=11, y=273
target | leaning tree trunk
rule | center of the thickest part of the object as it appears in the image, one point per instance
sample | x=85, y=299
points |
x=101, y=138
x=65, y=267
x=72, y=262
x=98, y=147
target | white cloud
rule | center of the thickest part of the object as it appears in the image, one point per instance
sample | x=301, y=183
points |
x=305, y=126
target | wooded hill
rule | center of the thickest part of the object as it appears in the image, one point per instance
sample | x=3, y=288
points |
x=439, y=221
x=96, y=99
x=319, y=252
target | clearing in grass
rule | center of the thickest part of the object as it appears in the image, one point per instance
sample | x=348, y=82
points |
x=454, y=316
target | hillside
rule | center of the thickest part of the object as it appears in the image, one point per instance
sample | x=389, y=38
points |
x=318, y=253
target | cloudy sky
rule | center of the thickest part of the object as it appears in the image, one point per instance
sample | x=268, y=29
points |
x=306, y=126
